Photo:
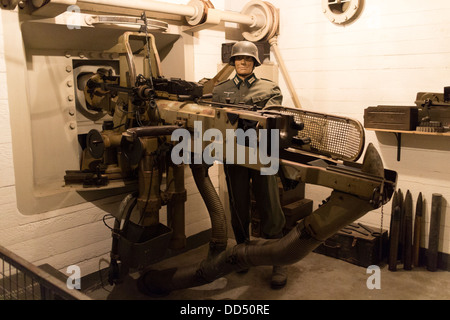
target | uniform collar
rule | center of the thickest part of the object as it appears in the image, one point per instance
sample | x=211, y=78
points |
x=249, y=81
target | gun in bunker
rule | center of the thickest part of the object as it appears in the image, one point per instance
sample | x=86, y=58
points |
x=136, y=146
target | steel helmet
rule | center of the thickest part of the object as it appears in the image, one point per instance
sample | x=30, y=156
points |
x=245, y=48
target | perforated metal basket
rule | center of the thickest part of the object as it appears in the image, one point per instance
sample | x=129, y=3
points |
x=333, y=136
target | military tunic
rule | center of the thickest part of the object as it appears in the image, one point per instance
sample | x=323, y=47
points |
x=259, y=92
x=251, y=91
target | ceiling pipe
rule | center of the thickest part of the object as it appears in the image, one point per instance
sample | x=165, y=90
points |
x=276, y=51
x=258, y=20
x=194, y=11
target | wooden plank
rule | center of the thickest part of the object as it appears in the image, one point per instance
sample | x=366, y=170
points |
x=445, y=134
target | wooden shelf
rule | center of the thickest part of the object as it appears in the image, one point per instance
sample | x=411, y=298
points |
x=446, y=134
x=398, y=134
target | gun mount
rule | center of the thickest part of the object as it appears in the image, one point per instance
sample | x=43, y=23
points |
x=160, y=125
x=154, y=126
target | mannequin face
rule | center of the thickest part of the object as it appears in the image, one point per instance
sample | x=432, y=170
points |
x=244, y=66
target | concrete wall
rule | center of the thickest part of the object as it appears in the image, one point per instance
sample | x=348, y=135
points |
x=393, y=51
x=77, y=234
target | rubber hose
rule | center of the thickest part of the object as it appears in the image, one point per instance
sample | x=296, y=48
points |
x=293, y=247
x=219, y=238
x=241, y=256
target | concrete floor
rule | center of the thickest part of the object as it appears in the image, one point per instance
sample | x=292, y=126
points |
x=316, y=277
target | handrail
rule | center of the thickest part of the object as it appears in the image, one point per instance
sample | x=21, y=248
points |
x=46, y=280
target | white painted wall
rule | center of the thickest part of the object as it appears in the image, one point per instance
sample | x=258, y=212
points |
x=393, y=51
x=77, y=234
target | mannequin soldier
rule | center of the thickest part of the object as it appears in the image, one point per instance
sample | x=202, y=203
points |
x=246, y=88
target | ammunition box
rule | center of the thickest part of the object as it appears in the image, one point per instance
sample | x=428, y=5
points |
x=294, y=206
x=296, y=211
x=291, y=195
x=356, y=245
x=391, y=117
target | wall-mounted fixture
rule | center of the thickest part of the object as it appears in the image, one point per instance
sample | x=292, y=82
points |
x=342, y=11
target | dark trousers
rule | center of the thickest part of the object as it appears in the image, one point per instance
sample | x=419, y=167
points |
x=241, y=181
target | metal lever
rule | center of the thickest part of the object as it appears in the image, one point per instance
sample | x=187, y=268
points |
x=301, y=141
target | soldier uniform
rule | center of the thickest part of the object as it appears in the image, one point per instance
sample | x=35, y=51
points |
x=251, y=91
x=246, y=88
x=260, y=92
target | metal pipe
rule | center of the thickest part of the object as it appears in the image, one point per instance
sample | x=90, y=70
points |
x=170, y=8
x=153, y=131
x=236, y=17
x=274, y=44
x=154, y=6
x=293, y=247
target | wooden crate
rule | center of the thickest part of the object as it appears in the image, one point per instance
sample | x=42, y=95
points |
x=356, y=246
x=391, y=117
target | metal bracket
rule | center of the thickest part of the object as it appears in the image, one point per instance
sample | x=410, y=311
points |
x=125, y=20
x=341, y=11
x=398, y=135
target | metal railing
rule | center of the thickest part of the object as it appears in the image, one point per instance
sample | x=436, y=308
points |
x=21, y=280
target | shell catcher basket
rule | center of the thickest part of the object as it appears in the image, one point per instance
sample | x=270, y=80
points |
x=331, y=136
